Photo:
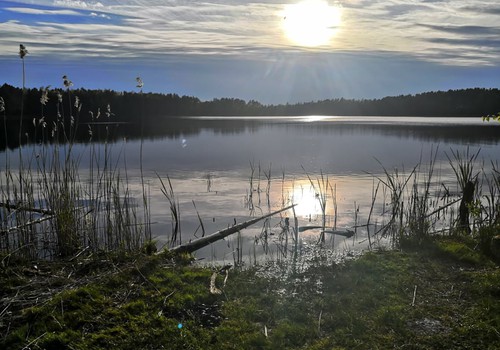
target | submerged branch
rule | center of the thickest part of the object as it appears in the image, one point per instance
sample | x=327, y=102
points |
x=20, y=208
x=27, y=224
x=204, y=241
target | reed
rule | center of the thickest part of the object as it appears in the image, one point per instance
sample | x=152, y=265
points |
x=48, y=207
x=321, y=187
x=491, y=207
x=175, y=213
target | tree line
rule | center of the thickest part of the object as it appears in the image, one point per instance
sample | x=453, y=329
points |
x=132, y=106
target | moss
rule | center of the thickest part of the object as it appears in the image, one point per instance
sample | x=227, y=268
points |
x=462, y=250
x=441, y=294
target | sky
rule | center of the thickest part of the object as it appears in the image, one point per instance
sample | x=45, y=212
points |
x=266, y=50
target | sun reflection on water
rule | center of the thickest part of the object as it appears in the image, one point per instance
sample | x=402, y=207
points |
x=306, y=198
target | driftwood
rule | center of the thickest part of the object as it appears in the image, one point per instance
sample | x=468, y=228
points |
x=21, y=208
x=29, y=223
x=346, y=233
x=34, y=222
x=204, y=241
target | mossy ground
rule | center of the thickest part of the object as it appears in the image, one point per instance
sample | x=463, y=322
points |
x=442, y=294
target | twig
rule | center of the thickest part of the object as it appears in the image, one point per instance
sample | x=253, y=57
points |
x=33, y=341
x=414, y=296
x=5, y=309
x=443, y=207
x=319, y=322
x=80, y=253
x=168, y=296
x=145, y=279
x=29, y=223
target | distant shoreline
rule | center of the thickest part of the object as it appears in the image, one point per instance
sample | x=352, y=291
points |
x=131, y=106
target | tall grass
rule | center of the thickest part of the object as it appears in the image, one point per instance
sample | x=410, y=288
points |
x=175, y=214
x=49, y=208
x=422, y=205
x=321, y=187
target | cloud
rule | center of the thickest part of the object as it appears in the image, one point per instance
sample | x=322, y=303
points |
x=37, y=11
x=465, y=29
x=435, y=30
x=483, y=9
x=78, y=4
x=102, y=15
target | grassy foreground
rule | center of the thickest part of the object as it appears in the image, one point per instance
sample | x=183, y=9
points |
x=441, y=295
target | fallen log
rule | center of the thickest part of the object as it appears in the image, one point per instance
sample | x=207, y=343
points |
x=204, y=241
x=21, y=208
x=305, y=228
x=346, y=233
x=29, y=223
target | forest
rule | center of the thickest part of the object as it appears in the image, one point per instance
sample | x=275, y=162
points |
x=128, y=106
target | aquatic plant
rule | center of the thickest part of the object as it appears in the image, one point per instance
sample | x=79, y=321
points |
x=48, y=207
x=168, y=192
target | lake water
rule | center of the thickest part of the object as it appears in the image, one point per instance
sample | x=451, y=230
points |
x=210, y=160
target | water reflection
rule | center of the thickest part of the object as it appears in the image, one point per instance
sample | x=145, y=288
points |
x=209, y=161
x=436, y=130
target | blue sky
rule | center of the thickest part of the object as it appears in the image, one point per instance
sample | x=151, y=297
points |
x=245, y=49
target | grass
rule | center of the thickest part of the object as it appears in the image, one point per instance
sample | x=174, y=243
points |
x=443, y=293
x=50, y=208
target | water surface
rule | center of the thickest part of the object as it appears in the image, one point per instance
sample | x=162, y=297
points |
x=211, y=161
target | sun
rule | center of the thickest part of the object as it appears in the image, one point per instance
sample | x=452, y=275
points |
x=311, y=22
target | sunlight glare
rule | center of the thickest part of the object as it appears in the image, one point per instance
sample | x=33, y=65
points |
x=311, y=22
x=307, y=202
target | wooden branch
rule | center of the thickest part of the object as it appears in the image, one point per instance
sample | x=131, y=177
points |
x=346, y=233
x=34, y=222
x=305, y=228
x=20, y=208
x=29, y=223
x=204, y=241
x=443, y=207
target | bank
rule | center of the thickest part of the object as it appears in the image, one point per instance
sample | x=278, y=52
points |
x=438, y=294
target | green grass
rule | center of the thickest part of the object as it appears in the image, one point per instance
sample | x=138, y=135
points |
x=370, y=303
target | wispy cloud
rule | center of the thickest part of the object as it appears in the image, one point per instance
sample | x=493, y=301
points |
x=436, y=30
x=79, y=4
x=37, y=11
x=102, y=15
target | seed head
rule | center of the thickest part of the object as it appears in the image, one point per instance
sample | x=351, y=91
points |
x=42, y=122
x=2, y=104
x=67, y=83
x=22, y=51
x=45, y=95
x=108, y=111
x=140, y=83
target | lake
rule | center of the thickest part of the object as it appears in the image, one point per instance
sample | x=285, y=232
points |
x=231, y=169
